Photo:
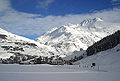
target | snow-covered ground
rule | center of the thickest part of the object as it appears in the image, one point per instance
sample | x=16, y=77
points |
x=57, y=73
x=110, y=57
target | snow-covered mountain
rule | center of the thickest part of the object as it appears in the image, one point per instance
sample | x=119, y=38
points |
x=11, y=44
x=75, y=37
x=106, y=51
x=61, y=41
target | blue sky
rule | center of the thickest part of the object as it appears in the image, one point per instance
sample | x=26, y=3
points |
x=60, y=7
x=31, y=18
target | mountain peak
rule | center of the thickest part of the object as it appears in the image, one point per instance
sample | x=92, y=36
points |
x=89, y=21
x=97, y=19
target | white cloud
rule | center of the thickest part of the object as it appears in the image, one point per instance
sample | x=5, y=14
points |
x=44, y=4
x=115, y=2
x=30, y=24
x=4, y=5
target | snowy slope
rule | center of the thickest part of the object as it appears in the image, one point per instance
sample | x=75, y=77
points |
x=74, y=37
x=110, y=57
x=12, y=37
x=11, y=44
x=74, y=54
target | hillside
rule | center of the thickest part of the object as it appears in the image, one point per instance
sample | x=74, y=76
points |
x=104, y=44
x=109, y=57
x=14, y=45
x=104, y=52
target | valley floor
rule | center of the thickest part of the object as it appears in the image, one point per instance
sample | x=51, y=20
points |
x=46, y=72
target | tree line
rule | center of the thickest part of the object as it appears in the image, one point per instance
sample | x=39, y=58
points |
x=104, y=44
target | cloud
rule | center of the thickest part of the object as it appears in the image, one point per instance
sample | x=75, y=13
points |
x=4, y=5
x=32, y=24
x=115, y=2
x=44, y=4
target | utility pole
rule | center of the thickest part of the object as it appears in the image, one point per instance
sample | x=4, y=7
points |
x=98, y=67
